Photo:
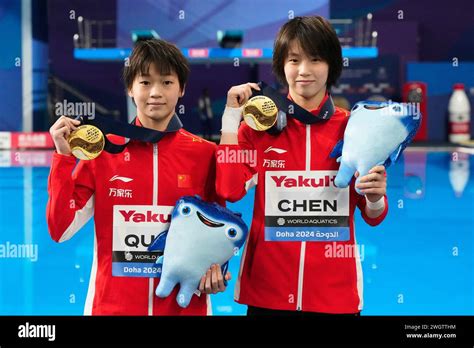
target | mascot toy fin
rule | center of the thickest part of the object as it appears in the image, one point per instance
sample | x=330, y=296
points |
x=159, y=243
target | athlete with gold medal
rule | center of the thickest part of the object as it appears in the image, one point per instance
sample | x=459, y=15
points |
x=131, y=188
x=299, y=213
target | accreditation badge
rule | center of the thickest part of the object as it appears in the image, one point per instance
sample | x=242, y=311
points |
x=134, y=229
x=305, y=206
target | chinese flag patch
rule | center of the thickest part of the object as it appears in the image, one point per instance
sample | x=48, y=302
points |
x=184, y=181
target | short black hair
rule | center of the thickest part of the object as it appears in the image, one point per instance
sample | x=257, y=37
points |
x=316, y=37
x=166, y=57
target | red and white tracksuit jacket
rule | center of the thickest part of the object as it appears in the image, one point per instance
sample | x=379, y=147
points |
x=179, y=164
x=293, y=275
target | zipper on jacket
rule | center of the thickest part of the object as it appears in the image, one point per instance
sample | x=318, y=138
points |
x=151, y=288
x=299, y=300
x=155, y=174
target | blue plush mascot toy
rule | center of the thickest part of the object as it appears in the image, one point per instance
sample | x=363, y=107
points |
x=200, y=234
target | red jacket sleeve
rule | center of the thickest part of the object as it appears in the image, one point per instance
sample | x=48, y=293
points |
x=361, y=203
x=234, y=178
x=71, y=196
x=211, y=194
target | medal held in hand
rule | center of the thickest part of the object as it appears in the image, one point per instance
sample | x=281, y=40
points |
x=260, y=113
x=86, y=142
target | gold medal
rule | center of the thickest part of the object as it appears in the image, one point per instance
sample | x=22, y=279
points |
x=260, y=113
x=86, y=142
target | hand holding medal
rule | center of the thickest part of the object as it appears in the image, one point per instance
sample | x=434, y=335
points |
x=258, y=111
x=85, y=142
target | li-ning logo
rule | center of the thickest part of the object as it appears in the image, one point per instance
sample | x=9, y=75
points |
x=275, y=149
x=300, y=181
x=121, y=178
